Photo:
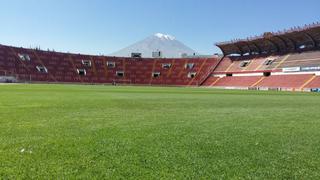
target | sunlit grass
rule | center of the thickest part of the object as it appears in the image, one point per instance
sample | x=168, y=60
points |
x=73, y=131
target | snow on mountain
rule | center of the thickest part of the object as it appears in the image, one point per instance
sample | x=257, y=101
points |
x=164, y=36
x=167, y=44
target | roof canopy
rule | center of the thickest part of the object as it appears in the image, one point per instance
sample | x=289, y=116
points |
x=285, y=41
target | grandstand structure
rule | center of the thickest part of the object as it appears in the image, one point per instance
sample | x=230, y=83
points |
x=31, y=65
x=288, y=60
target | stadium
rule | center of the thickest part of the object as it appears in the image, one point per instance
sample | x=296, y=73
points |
x=249, y=112
x=287, y=61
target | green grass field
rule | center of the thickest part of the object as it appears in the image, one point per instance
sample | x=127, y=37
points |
x=94, y=132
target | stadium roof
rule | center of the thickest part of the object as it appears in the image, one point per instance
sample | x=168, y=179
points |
x=270, y=42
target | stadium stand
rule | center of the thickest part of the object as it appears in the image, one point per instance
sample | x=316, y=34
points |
x=284, y=81
x=30, y=65
x=282, y=60
x=246, y=81
x=313, y=82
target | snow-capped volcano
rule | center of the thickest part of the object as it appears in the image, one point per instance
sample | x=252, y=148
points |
x=164, y=36
x=169, y=46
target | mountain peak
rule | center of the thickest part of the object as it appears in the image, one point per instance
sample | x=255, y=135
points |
x=168, y=45
x=164, y=36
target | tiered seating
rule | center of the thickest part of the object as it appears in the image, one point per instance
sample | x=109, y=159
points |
x=224, y=65
x=302, y=59
x=257, y=64
x=59, y=66
x=239, y=81
x=178, y=71
x=233, y=64
x=4, y=65
x=315, y=83
x=165, y=73
x=285, y=81
x=119, y=66
x=100, y=69
x=211, y=81
x=25, y=69
x=140, y=71
x=66, y=67
x=203, y=71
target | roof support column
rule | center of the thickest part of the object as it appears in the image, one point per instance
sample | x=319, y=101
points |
x=311, y=38
x=274, y=44
x=293, y=42
x=239, y=49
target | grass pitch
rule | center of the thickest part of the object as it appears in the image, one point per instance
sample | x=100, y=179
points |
x=94, y=132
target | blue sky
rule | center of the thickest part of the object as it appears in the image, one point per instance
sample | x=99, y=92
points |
x=105, y=26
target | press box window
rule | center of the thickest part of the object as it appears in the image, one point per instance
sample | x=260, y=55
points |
x=42, y=69
x=156, y=74
x=120, y=73
x=192, y=75
x=86, y=63
x=82, y=72
x=24, y=57
x=111, y=64
x=166, y=66
x=189, y=66
x=268, y=62
x=244, y=64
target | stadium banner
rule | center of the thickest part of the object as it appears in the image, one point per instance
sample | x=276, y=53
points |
x=301, y=69
x=274, y=89
x=291, y=69
x=317, y=68
x=253, y=88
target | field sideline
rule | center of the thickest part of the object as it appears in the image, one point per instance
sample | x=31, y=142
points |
x=85, y=132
